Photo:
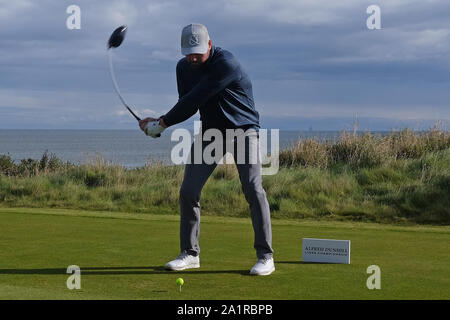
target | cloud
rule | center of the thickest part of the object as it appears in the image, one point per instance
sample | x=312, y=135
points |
x=310, y=57
x=11, y=8
x=431, y=38
x=121, y=12
x=305, y=13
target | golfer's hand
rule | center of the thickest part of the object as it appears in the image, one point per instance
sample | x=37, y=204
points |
x=152, y=128
x=143, y=123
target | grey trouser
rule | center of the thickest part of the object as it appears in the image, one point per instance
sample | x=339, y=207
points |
x=195, y=177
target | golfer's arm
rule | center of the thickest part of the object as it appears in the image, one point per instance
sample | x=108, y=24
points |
x=209, y=86
x=181, y=93
x=181, y=90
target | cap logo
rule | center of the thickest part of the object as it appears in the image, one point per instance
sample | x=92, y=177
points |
x=194, y=40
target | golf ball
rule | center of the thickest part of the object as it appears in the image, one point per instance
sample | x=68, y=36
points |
x=180, y=281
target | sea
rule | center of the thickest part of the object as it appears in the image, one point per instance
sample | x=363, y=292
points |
x=129, y=148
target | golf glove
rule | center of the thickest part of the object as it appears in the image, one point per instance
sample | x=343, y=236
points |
x=154, y=129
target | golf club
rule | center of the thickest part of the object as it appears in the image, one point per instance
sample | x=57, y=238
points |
x=115, y=41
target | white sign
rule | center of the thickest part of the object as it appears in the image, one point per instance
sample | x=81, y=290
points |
x=326, y=250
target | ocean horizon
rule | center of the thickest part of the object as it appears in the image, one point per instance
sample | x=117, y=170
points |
x=129, y=148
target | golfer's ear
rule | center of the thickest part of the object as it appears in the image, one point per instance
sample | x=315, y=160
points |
x=210, y=44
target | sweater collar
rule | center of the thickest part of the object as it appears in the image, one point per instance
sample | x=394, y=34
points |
x=211, y=54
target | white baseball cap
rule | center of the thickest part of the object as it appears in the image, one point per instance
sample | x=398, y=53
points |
x=194, y=39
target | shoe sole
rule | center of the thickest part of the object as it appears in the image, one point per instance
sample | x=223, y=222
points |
x=262, y=274
x=191, y=266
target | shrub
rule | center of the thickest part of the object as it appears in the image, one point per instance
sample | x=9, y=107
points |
x=7, y=165
x=28, y=167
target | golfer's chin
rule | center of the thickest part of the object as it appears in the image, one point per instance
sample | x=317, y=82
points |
x=195, y=65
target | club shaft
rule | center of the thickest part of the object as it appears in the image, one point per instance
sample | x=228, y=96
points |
x=116, y=87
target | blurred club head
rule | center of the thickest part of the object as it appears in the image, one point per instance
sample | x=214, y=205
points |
x=117, y=37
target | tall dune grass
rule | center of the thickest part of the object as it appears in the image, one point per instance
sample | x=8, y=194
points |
x=400, y=177
x=366, y=150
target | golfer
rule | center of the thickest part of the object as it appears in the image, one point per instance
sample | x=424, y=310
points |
x=211, y=80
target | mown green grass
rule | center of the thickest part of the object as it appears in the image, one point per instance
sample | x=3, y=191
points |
x=121, y=257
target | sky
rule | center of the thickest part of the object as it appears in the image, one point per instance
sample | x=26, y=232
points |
x=314, y=64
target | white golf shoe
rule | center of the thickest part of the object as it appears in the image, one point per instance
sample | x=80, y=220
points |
x=263, y=267
x=183, y=261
